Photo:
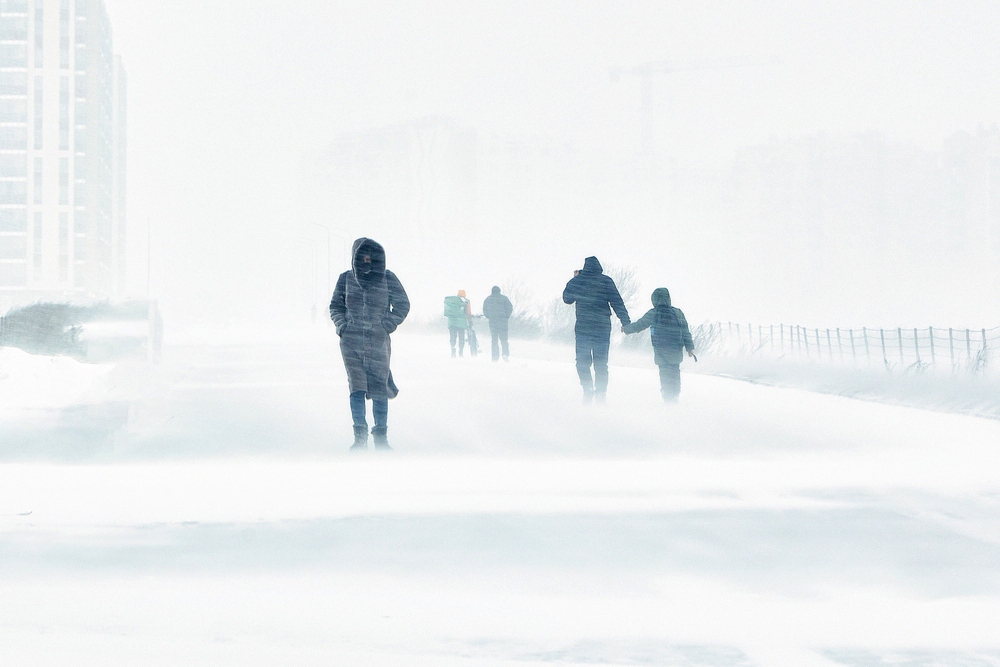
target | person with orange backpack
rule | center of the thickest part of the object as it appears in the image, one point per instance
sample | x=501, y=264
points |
x=459, y=313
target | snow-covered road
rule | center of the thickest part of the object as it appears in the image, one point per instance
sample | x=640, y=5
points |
x=748, y=525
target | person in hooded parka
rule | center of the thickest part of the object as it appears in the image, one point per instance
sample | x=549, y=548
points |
x=458, y=310
x=497, y=309
x=670, y=335
x=594, y=294
x=368, y=304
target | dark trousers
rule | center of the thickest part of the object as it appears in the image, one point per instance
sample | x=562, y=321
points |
x=670, y=381
x=498, y=334
x=453, y=333
x=593, y=349
x=380, y=410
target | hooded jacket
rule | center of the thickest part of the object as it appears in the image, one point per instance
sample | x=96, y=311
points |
x=497, y=308
x=594, y=294
x=367, y=306
x=670, y=333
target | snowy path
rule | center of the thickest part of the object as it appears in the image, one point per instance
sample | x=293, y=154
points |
x=747, y=526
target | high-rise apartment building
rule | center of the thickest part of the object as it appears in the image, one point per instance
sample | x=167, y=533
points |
x=62, y=152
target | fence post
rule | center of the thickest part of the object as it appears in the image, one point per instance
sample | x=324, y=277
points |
x=968, y=346
x=854, y=354
x=829, y=346
x=930, y=331
x=885, y=358
x=899, y=337
x=984, y=349
x=868, y=357
x=819, y=349
x=750, y=336
x=916, y=345
x=771, y=337
x=739, y=338
x=951, y=347
x=805, y=337
x=781, y=330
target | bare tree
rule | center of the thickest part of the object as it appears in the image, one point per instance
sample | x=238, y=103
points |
x=520, y=294
x=626, y=277
x=558, y=320
x=525, y=320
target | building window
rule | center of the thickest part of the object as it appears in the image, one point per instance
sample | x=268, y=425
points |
x=39, y=33
x=14, y=28
x=13, y=219
x=13, y=110
x=14, y=6
x=64, y=113
x=14, y=55
x=14, y=247
x=38, y=112
x=37, y=247
x=64, y=34
x=38, y=181
x=13, y=192
x=13, y=83
x=13, y=137
x=13, y=166
x=64, y=247
x=63, y=180
x=12, y=274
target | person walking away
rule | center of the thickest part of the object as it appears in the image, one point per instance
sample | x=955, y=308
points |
x=497, y=310
x=459, y=313
x=595, y=295
x=670, y=335
x=368, y=304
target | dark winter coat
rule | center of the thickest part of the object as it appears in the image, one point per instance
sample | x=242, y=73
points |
x=366, y=308
x=595, y=295
x=497, y=308
x=669, y=329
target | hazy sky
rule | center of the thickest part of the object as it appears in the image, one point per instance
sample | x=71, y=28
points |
x=227, y=95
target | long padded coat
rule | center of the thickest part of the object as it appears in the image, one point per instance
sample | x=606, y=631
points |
x=366, y=308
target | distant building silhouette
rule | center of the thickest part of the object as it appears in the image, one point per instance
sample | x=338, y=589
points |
x=62, y=152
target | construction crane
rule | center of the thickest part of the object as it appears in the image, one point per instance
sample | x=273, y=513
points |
x=646, y=71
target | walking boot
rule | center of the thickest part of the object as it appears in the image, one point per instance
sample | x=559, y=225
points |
x=379, y=435
x=360, y=437
x=600, y=396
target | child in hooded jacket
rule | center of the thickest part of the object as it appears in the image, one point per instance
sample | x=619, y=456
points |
x=670, y=336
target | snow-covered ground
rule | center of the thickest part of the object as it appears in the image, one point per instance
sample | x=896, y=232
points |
x=749, y=525
x=35, y=382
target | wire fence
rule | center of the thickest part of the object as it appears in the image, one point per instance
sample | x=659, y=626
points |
x=906, y=348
